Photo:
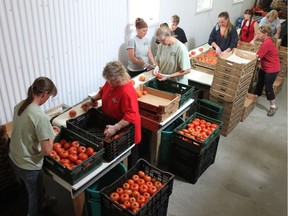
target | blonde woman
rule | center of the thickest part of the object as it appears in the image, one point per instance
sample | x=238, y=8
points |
x=223, y=37
x=270, y=66
x=273, y=21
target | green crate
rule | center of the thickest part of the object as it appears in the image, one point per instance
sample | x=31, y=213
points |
x=166, y=141
x=209, y=108
x=170, y=86
x=80, y=171
x=194, y=144
x=92, y=194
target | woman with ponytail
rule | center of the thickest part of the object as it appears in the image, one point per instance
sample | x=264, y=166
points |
x=32, y=138
x=270, y=66
x=249, y=27
x=223, y=37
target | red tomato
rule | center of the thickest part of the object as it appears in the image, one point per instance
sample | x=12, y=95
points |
x=200, y=49
x=56, y=146
x=126, y=186
x=72, y=113
x=66, y=145
x=124, y=197
x=82, y=156
x=135, y=205
x=72, y=150
x=127, y=204
x=52, y=153
x=153, y=180
x=158, y=184
x=128, y=191
x=130, y=181
x=56, y=157
x=135, y=210
x=120, y=190
x=141, y=181
x=147, y=196
x=81, y=149
x=132, y=199
x=72, y=158
x=159, y=76
x=64, y=154
x=152, y=190
x=135, y=178
x=135, y=194
x=141, y=199
x=63, y=141
x=141, y=174
x=114, y=196
x=75, y=144
x=143, y=188
x=147, y=178
x=150, y=183
x=134, y=187
x=64, y=161
x=89, y=151
x=78, y=162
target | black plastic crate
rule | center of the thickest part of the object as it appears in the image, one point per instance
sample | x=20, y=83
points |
x=157, y=204
x=92, y=124
x=80, y=171
x=209, y=108
x=196, y=145
x=170, y=86
x=190, y=165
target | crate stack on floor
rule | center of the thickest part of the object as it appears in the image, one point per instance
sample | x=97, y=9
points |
x=195, y=142
x=232, y=78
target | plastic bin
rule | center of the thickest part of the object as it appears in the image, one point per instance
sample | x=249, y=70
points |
x=157, y=205
x=166, y=141
x=92, y=194
x=190, y=165
x=209, y=108
x=91, y=125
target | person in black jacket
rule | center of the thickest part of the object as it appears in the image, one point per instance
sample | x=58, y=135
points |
x=223, y=37
x=177, y=31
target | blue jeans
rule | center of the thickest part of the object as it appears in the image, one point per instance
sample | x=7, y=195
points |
x=34, y=185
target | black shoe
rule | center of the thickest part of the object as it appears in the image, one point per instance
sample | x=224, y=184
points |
x=48, y=202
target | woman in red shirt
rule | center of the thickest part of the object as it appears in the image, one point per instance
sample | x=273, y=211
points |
x=119, y=100
x=270, y=66
x=249, y=27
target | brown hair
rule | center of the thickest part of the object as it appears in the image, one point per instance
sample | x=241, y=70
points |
x=175, y=19
x=250, y=12
x=140, y=23
x=267, y=29
x=225, y=15
x=115, y=70
x=163, y=32
x=39, y=86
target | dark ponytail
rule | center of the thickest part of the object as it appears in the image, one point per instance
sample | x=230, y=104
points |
x=39, y=86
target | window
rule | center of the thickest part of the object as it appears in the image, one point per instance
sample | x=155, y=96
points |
x=203, y=5
x=148, y=10
x=237, y=1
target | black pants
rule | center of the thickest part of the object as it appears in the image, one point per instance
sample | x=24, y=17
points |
x=267, y=80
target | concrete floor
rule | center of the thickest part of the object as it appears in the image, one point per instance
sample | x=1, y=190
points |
x=249, y=175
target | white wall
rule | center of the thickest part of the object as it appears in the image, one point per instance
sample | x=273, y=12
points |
x=198, y=26
x=70, y=41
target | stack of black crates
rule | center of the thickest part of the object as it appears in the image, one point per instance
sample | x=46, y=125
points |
x=190, y=156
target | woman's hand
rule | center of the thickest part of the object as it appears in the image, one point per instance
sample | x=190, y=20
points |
x=164, y=77
x=111, y=130
x=218, y=50
x=155, y=71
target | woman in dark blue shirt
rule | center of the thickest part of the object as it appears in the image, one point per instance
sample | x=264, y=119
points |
x=223, y=37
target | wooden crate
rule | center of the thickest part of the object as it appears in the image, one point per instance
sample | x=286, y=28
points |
x=247, y=46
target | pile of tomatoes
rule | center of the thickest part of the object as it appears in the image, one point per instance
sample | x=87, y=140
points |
x=70, y=154
x=136, y=191
x=198, y=129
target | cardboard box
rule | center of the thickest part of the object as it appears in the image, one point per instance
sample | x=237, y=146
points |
x=158, y=101
x=249, y=104
x=156, y=116
x=232, y=84
x=228, y=97
x=228, y=106
x=238, y=60
x=206, y=59
x=203, y=69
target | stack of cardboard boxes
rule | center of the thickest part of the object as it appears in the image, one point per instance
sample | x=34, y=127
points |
x=230, y=85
